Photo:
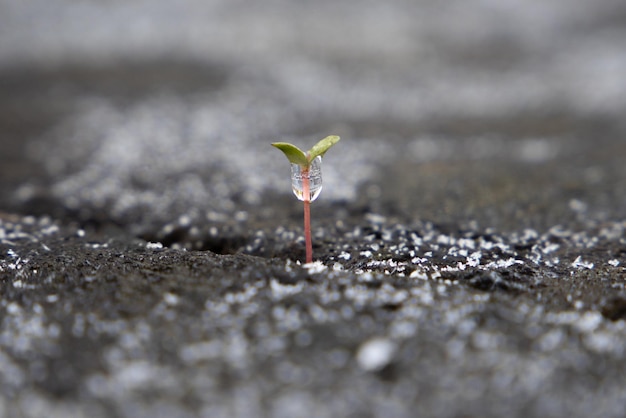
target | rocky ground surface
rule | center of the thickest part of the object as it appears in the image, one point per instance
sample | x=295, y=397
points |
x=470, y=240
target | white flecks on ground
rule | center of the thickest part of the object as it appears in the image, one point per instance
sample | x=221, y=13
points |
x=169, y=154
x=315, y=267
x=460, y=253
x=128, y=378
x=171, y=299
x=605, y=342
x=419, y=274
x=24, y=332
x=236, y=330
x=588, y=321
x=201, y=351
x=280, y=291
x=213, y=176
x=528, y=150
x=580, y=264
x=375, y=354
x=97, y=245
x=26, y=228
x=337, y=267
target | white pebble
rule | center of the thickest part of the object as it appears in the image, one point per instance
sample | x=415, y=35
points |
x=375, y=354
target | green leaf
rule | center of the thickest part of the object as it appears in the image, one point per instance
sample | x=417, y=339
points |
x=294, y=154
x=322, y=146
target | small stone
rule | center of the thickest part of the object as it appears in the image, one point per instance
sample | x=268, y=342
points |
x=375, y=354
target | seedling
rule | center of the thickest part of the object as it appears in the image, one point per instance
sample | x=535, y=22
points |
x=306, y=178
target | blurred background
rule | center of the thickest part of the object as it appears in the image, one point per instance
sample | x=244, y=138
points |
x=153, y=113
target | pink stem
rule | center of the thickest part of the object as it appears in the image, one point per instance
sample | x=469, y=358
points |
x=307, y=216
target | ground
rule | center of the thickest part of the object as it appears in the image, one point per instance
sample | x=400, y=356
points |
x=469, y=241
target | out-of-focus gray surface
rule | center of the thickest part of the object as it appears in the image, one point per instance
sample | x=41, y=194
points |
x=172, y=106
x=470, y=234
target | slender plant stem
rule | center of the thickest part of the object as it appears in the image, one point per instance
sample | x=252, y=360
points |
x=307, y=215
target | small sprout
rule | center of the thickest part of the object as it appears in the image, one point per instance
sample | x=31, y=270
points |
x=306, y=178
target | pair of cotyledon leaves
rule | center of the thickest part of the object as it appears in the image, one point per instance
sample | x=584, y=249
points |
x=304, y=159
